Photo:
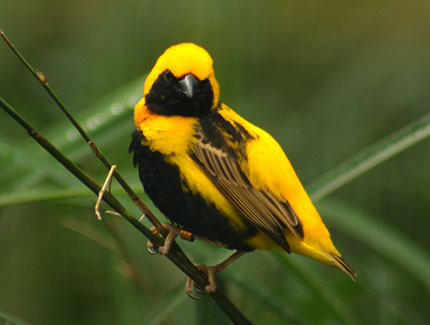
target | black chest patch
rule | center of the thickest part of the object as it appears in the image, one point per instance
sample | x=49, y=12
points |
x=164, y=186
x=167, y=97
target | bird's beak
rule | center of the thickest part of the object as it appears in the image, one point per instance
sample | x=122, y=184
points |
x=188, y=85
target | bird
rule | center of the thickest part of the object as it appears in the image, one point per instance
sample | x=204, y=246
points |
x=216, y=176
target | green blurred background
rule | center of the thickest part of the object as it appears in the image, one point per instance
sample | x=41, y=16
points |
x=325, y=78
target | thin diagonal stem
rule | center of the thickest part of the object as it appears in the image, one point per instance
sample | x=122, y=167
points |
x=176, y=255
x=370, y=157
x=76, y=171
x=43, y=81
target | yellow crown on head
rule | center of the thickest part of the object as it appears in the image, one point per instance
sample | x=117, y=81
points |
x=182, y=59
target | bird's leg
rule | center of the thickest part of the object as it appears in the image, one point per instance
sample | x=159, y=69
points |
x=172, y=233
x=107, y=182
x=211, y=272
x=189, y=289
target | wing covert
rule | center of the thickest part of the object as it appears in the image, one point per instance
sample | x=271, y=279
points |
x=259, y=207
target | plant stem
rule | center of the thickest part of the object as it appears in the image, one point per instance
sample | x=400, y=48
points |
x=176, y=255
x=43, y=81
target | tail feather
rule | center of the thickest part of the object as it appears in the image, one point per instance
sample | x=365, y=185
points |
x=344, y=266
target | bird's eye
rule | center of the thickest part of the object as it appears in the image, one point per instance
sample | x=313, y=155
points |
x=168, y=76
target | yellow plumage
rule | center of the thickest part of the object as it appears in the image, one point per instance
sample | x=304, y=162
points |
x=247, y=177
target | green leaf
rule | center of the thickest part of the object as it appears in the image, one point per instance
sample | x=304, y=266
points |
x=169, y=302
x=104, y=118
x=8, y=319
x=381, y=237
x=320, y=288
x=108, y=118
x=48, y=194
x=256, y=290
x=370, y=157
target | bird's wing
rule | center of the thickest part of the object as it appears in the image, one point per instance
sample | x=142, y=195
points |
x=259, y=207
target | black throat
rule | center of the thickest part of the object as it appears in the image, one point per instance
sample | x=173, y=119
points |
x=167, y=98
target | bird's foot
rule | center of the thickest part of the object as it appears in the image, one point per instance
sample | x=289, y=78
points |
x=211, y=272
x=172, y=233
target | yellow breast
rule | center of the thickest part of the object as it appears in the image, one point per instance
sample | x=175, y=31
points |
x=173, y=136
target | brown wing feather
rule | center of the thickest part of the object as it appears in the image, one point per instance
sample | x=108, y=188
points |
x=259, y=207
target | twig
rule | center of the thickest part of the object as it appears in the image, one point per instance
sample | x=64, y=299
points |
x=76, y=171
x=176, y=255
x=44, y=82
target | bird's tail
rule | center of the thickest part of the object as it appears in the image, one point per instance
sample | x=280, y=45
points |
x=341, y=264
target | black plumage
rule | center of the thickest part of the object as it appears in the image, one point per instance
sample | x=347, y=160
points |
x=163, y=184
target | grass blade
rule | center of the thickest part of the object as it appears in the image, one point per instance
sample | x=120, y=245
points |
x=370, y=157
x=48, y=194
x=379, y=237
x=259, y=293
x=166, y=305
x=320, y=288
x=8, y=319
